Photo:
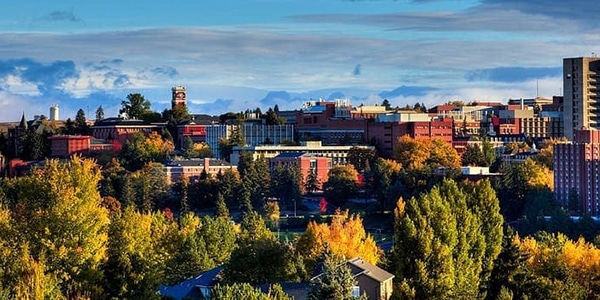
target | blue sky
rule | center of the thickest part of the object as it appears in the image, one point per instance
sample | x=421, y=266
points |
x=233, y=55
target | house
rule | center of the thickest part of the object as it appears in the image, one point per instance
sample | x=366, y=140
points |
x=197, y=287
x=372, y=280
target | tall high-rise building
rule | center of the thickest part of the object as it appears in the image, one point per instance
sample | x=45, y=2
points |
x=577, y=172
x=581, y=79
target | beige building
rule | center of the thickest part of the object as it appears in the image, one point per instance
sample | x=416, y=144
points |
x=337, y=154
x=581, y=81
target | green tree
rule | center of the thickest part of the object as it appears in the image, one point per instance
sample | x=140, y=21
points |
x=229, y=185
x=361, y=157
x=58, y=211
x=226, y=145
x=246, y=291
x=439, y=246
x=260, y=257
x=34, y=145
x=150, y=187
x=181, y=188
x=473, y=156
x=386, y=185
x=99, y=113
x=341, y=185
x=519, y=181
x=489, y=153
x=189, y=149
x=221, y=209
x=271, y=118
x=482, y=201
x=286, y=184
x=312, y=182
x=140, y=150
x=135, y=107
x=81, y=123
x=336, y=282
x=134, y=267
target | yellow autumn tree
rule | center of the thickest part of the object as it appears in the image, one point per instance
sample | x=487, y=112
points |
x=345, y=236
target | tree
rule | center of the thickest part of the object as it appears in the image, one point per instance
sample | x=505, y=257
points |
x=150, y=187
x=271, y=214
x=135, y=107
x=312, y=182
x=521, y=180
x=176, y=114
x=344, y=237
x=226, y=145
x=181, y=188
x=260, y=257
x=99, y=113
x=139, y=150
x=135, y=261
x=58, y=212
x=489, y=153
x=341, y=185
x=189, y=149
x=386, y=103
x=271, y=118
x=246, y=291
x=482, y=201
x=386, y=175
x=439, y=245
x=33, y=145
x=81, y=123
x=336, y=281
x=286, y=183
x=473, y=156
x=360, y=158
x=205, y=244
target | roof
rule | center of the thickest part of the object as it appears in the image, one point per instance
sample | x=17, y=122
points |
x=369, y=270
x=213, y=162
x=290, y=154
x=186, y=288
x=296, y=290
x=358, y=266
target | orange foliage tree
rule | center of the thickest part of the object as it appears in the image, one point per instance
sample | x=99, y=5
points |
x=345, y=236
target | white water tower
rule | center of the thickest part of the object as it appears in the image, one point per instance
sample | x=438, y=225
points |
x=54, y=112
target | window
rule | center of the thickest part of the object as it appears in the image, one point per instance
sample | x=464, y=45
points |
x=356, y=291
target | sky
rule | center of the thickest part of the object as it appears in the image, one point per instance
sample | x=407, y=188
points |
x=238, y=54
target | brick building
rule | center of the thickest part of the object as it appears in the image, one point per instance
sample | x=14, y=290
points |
x=577, y=171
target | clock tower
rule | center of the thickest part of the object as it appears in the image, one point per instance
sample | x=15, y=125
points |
x=178, y=97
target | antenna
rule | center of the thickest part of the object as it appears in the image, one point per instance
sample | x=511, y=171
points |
x=537, y=88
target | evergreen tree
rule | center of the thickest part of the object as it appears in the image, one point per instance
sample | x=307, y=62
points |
x=99, y=113
x=189, y=150
x=221, y=209
x=336, y=282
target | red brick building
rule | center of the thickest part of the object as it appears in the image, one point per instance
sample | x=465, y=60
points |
x=67, y=145
x=577, y=171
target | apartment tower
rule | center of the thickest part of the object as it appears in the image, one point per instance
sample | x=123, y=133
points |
x=581, y=79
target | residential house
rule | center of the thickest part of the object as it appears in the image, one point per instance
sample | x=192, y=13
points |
x=198, y=287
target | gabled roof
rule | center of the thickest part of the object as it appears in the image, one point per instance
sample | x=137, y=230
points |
x=369, y=270
x=188, y=288
x=358, y=266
